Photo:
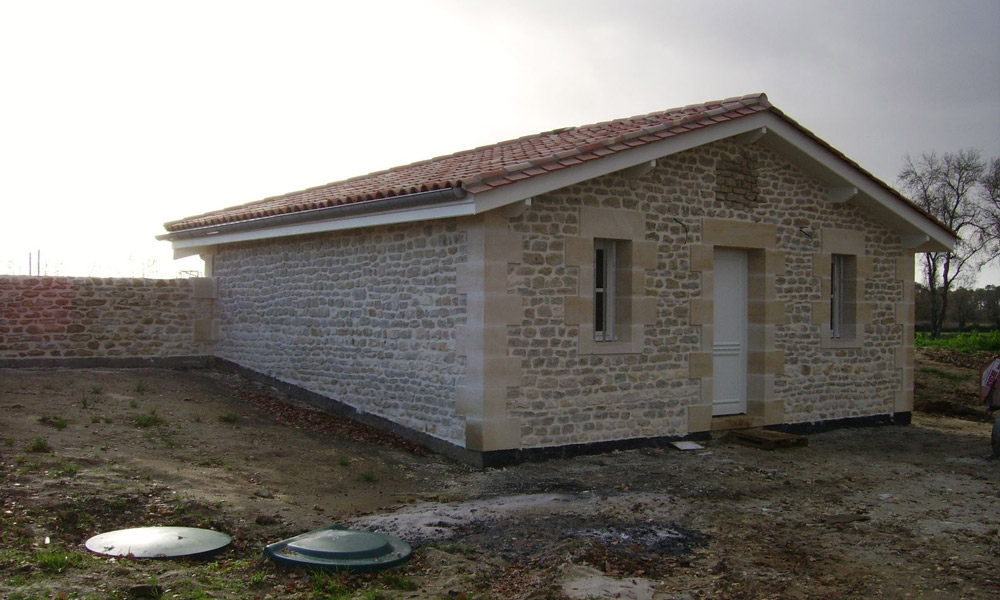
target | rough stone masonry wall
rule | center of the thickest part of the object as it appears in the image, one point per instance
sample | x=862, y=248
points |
x=88, y=318
x=568, y=397
x=366, y=317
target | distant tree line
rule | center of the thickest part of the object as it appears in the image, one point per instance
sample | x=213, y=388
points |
x=968, y=309
x=962, y=190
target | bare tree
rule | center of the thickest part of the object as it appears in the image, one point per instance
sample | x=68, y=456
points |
x=945, y=186
x=964, y=307
x=989, y=198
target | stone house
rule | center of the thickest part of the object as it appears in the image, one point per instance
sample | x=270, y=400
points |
x=702, y=268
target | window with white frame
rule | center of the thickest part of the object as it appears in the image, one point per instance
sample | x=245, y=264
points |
x=842, y=296
x=605, y=268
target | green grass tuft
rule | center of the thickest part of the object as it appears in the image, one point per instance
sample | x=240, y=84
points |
x=56, y=422
x=66, y=469
x=38, y=445
x=27, y=466
x=331, y=585
x=147, y=421
x=55, y=560
x=229, y=417
x=399, y=582
x=368, y=477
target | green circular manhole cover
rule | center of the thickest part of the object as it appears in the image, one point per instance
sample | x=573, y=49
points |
x=337, y=548
x=159, y=542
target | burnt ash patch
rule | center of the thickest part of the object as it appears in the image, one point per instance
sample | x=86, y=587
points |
x=625, y=547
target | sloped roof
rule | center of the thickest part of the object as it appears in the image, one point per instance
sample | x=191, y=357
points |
x=487, y=177
x=489, y=167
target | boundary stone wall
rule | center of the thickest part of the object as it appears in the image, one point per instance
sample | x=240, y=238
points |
x=84, y=320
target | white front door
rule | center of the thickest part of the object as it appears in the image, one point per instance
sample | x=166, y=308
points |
x=729, y=345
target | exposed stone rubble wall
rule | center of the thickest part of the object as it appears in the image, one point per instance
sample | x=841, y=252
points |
x=567, y=396
x=93, y=318
x=366, y=317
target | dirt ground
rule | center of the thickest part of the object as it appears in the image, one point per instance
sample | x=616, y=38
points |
x=890, y=512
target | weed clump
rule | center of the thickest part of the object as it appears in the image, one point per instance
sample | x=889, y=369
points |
x=38, y=444
x=55, y=560
x=330, y=584
x=399, y=582
x=66, y=469
x=56, y=422
x=147, y=421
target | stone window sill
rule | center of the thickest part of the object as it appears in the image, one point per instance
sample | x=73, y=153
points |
x=837, y=343
x=618, y=347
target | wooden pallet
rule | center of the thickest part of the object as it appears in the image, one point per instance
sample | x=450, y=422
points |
x=767, y=439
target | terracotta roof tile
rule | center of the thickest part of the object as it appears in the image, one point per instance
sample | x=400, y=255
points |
x=481, y=169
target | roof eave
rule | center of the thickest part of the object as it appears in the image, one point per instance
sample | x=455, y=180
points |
x=421, y=206
x=920, y=232
x=845, y=180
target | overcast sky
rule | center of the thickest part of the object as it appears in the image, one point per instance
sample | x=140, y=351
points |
x=118, y=116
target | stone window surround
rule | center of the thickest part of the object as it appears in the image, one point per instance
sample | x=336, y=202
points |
x=634, y=309
x=849, y=243
x=764, y=313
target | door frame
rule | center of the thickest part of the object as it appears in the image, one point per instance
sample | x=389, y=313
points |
x=730, y=293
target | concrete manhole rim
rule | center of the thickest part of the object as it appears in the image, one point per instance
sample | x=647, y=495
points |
x=336, y=547
x=159, y=542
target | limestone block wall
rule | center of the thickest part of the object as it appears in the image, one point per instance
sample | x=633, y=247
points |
x=366, y=317
x=91, y=318
x=572, y=392
x=481, y=396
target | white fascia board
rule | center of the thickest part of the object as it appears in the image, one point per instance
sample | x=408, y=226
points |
x=197, y=245
x=911, y=219
x=541, y=184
